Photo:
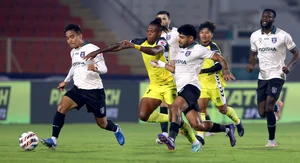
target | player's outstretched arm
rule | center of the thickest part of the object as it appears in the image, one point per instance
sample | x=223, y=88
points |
x=215, y=68
x=252, y=61
x=227, y=74
x=148, y=50
x=111, y=48
x=295, y=52
x=161, y=64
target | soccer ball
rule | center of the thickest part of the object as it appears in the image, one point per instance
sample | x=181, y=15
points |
x=28, y=141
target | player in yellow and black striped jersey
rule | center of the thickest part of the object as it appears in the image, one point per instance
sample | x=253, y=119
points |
x=212, y=81
x=162, y=86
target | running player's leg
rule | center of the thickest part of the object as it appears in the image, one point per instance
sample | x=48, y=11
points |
x=70, y=100
x=170, y=93
x=273, y=91
x=164, y=110
x=218, y=97
x=203, y=103
x=95, y=102
x=149, y=103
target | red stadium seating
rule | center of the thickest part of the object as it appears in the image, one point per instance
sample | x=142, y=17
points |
x=43, y=19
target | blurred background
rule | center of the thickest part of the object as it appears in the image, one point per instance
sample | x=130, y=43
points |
x=34, y=55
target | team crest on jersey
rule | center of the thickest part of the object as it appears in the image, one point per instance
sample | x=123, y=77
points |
x=274, y=40
x=168, y=37
x=163, y=43
x=82, y=54
x=187, y=53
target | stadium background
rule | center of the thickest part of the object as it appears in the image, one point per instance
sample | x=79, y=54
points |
x=34, y=55
x=33, y=48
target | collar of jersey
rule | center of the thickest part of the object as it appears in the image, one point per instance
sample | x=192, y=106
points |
x=192, y=45
x=273, y=31
x=206, y=44
x=84, y=43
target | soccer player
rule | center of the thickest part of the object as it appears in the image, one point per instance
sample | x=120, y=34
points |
x=268, y=46
x=87, y=90
x=188, y=63
x=212, y=81
x=162, y=86
x=171, y=35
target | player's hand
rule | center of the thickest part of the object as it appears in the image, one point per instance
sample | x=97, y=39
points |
x=228, y=75
x=286, y=69
x=92, y=67
x=90, y=56
x=249, y=68
x=62, y=85
x=128, y=44
x=158, y=64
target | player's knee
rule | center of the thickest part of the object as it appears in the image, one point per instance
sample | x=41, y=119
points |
x=223, y=109
x=261, y=114
x=62, y=109
x=143, y=116
x=175, y=109
x=197, y=126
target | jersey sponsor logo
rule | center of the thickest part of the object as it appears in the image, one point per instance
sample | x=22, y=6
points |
x=4, y=101
x=168, y=37
x=179, y=61
x=187, y=53
x=82, y=54
x=274, y=40
x=77, y=63
x=267, y=49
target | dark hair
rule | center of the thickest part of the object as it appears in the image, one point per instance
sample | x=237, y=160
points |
x=270, y=10
x=188, y=30
x=73, y=27
x=157, y=22
x=162, y=12
x=209, y=25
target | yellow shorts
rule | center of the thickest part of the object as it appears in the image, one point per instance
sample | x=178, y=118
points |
x=166, y=93
x=216, y=95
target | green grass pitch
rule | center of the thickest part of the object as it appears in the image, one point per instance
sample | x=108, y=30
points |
x=85, y=143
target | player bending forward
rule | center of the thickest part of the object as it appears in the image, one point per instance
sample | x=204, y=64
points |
x=87, y=90
x=188, y=63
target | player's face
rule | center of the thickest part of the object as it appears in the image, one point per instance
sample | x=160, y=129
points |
x=267, y=20
x=185, y=41
x=73, y=39
x=165, y=21
x=153, y=33
x=205, y=35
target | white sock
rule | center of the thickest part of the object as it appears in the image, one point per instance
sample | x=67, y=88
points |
x=117, y=129
x=238, y=122
x=54, y=139
x=196, y=142
x=166, y=134
x=271, y=141
x=227, y=130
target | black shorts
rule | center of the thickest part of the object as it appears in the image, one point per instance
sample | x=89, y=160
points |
x=94, y=100
x=191, y=95
x=270, y=87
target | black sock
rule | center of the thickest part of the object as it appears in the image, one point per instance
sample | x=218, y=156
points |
x=218, y=128
x=111, y=126
x=58, y=123
x=207, y=117
x=164, y=125
x=271, y=121
x=174, y=129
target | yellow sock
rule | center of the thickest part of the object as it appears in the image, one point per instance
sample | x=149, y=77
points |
x=157, y=117
x=232, y=115
x=201, y=133
x=188, y=132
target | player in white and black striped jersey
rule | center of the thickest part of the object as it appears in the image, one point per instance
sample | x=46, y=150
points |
x=268, y=46
x=87, y=90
